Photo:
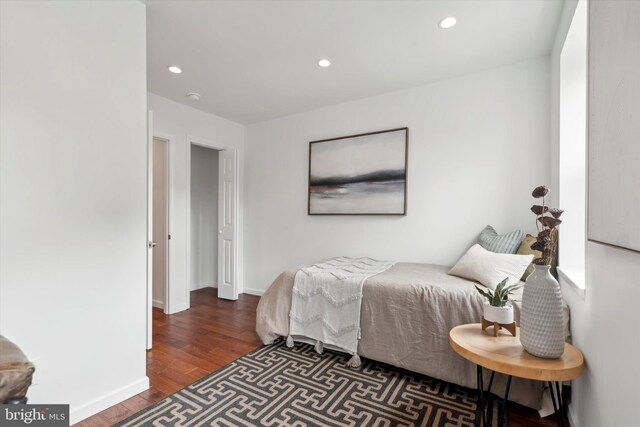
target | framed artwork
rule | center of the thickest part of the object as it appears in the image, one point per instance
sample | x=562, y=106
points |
x=363, y=174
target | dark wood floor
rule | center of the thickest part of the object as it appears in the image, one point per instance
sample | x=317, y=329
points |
x=212, y=333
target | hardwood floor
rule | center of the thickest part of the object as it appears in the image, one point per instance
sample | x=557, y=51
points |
x=212, y=333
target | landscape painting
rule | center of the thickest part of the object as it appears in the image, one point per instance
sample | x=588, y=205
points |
x=362, y=174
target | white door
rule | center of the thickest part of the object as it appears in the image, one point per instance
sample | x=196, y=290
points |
x=150, y=243
x=227, y=224
x=160, y=223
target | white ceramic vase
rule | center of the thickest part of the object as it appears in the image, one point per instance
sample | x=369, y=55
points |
x=502, y=315
x=541, y=317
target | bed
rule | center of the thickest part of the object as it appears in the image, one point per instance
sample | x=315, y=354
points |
x=407, y=313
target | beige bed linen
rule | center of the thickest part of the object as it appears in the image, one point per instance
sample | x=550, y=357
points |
x=407, y=313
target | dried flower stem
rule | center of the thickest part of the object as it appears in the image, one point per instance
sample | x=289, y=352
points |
x=547, y=227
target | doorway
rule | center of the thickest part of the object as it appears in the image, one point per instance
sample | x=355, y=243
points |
x=204, y=218
x=212, y=241
x=160, y=227
x=223, y=261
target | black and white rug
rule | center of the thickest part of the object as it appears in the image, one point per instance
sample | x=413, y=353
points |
x=280, y=386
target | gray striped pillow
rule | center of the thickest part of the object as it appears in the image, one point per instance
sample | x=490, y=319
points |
x=500, y=243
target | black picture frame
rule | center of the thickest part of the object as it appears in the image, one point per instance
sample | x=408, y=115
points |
x=341, y=189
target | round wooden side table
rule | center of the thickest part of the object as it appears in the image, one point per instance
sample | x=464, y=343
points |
x=505, y=354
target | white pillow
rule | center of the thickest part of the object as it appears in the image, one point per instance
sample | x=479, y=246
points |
x=490, y=268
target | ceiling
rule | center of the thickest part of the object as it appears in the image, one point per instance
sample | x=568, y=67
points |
x=256, y=60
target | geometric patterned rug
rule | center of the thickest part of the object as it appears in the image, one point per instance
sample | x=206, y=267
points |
x=279, y=386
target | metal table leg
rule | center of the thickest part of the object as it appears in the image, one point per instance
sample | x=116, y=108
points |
x=483, y=400
x=479, y=381
x=558, y=406
x=504, y=414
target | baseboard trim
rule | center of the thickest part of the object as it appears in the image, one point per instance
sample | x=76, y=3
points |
x=86, y=410
x=178, y=309
x=256, y=292
x=195, y=286
x=158, y=304
x=573, y=420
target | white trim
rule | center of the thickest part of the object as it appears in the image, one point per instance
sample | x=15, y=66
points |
x=574, y=278
x=203, y=142
x=80, y=412
x=256, y=292
x=179, y=308
x=158, y=304
x=196, y=286
x=148, y=304
x=169, y=140
x=573, y=419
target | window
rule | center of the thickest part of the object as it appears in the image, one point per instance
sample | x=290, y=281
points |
x=573, y=147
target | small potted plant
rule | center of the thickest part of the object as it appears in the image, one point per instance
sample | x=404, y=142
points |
x=498, y=308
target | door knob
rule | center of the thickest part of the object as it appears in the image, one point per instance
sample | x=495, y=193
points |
x=152, y=244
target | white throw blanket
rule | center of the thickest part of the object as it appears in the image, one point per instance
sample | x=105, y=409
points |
x=326, y=300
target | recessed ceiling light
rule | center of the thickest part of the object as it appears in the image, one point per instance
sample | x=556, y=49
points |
x=174, y=69
x=194, y=96
x=324, y=63
x=447, y=22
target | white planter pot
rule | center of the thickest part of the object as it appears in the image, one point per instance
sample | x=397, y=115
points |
x=502, y=315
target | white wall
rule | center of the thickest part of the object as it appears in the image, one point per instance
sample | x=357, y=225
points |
x=73, y=188
x=478, y=145
x=603, y=319
x=178, y=122
x=204, y=217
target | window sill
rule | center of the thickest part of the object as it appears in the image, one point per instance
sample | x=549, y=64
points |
x=574, y=277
